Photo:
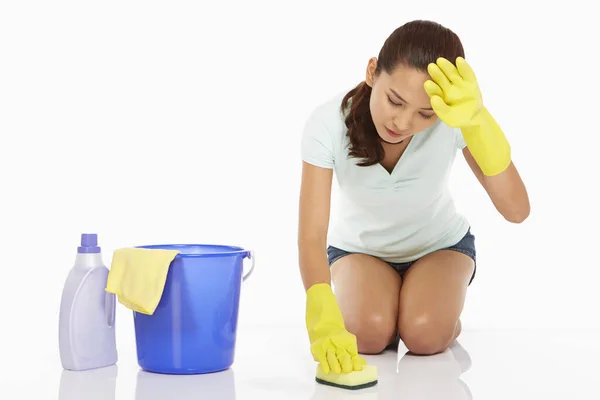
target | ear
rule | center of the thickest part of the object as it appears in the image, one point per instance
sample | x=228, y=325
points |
x=370, y=77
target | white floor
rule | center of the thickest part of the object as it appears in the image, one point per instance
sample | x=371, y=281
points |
x=273, y=364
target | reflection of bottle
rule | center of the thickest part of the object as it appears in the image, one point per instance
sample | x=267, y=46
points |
x=87, y=312
x=94, y=384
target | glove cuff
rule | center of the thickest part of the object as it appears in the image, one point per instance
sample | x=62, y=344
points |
x=320, y=290
x=322, y=310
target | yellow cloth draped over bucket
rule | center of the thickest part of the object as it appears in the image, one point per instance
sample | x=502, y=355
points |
x=137, y=276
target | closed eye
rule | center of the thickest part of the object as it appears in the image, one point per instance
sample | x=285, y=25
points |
x=426, y=116
x=392, y=102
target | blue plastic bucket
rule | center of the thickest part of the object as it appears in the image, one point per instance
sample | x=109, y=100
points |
x=193, y=329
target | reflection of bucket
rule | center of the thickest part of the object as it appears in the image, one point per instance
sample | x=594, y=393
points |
x=193, y=329
x=220, y=385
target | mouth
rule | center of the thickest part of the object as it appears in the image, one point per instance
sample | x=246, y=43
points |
x=393, y=134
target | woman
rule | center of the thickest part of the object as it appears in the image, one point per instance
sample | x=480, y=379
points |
x=400, y=257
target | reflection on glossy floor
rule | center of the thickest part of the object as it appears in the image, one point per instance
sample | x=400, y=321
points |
x=272, y=364
x=415, y=377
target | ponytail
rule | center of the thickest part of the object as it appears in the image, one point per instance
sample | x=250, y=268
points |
x=364, y=139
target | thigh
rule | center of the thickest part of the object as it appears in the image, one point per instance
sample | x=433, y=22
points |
x=432, y=298
x=367, y=290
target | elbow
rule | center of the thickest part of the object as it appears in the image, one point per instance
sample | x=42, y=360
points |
x=518, y=215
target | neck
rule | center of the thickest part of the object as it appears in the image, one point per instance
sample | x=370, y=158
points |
x=89, y=260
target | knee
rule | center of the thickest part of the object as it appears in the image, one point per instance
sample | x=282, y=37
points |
x=424, y=335
x=373, y=332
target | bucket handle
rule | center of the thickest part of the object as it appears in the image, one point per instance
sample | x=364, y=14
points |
x=250, y=255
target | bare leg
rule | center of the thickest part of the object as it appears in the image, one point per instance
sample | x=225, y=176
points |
x=431, y=301
x=367, y=291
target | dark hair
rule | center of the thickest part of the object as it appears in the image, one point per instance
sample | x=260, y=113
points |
x=414, y=44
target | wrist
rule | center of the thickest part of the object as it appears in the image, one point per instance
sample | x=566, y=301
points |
x=320, y=300
x=322, y=310
x=487, y=143
x=479, y=119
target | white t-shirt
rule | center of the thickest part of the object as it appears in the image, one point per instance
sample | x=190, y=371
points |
x=397, y=217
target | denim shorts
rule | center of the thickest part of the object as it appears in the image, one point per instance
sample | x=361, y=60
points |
x=466, y=246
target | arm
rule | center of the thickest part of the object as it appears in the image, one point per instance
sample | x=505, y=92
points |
x=331, y=344
x=457, y=100
x=506, y=190
x=315, y=200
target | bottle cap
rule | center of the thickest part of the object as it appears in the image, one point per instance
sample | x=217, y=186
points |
x=89, y=243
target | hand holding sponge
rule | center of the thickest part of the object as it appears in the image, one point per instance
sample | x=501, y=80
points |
x=332, y=346
x=355, y=380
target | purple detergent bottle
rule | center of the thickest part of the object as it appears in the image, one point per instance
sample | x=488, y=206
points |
x=87, y=312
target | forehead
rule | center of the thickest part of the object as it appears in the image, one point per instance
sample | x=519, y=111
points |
x=408, y=83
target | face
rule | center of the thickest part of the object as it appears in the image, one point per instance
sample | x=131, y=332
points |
x=400, y=106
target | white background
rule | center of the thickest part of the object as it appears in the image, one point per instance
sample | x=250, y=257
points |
x=176, y=122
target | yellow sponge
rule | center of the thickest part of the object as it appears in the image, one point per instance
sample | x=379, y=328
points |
x=354, y=380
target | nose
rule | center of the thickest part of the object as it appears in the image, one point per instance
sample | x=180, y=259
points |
x=403, y=121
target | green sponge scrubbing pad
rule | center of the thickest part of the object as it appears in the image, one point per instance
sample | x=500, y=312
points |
x=354, y=380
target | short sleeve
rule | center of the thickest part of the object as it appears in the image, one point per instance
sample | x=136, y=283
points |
x=460, y=140
x=317, y=144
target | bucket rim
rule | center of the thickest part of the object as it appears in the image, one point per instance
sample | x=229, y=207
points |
x=232, y=250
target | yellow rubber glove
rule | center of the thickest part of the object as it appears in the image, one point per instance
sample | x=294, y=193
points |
x=331, y=345
x=456, y=99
